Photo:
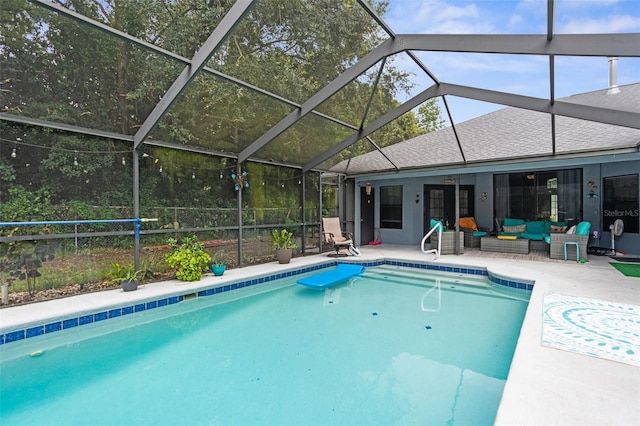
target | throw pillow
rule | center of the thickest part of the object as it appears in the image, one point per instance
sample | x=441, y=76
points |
x=468, y=222
x=583, y=228
x=512, y=222
x=555, y=228
x=514, y=229
x=572, y=230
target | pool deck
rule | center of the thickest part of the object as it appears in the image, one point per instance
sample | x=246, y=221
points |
x=545, y=386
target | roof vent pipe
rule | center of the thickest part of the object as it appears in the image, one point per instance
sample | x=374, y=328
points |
x=613, y=76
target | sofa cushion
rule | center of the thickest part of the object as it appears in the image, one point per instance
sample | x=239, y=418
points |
x=571, y=230
x=479, y=234
x=511, y=222
x=535, y=227
x=514, y=229
x=530, y=236
x=583, y=228
x=554, y=228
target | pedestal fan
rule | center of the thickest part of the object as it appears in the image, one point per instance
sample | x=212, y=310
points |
x=616, y=230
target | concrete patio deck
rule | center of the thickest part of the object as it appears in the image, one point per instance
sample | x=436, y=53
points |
x=545, y=386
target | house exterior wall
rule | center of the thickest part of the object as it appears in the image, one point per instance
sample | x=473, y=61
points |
x=482, y=180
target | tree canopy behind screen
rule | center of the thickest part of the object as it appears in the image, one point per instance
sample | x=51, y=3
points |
x=56, y=69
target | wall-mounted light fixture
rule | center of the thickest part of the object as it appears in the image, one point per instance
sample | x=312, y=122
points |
x=367, y=188
x=593, y=188
x=483, y=196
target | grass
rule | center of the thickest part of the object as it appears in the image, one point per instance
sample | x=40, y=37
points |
x=628, y=269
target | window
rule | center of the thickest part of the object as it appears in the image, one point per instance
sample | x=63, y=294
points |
x=554, y=195
x=391, y=207
x=436, y=204
x=620, y=201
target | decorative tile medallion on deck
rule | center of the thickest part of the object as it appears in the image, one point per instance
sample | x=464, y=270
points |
x=592, y=327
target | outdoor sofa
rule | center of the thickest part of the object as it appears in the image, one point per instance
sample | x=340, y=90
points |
x=535, y=230
x=552, y=236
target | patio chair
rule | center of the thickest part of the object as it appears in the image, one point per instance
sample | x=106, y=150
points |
x=570, y=246
x=472, y=234
x=335, y=237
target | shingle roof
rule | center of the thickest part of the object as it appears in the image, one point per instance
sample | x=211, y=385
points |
x=509, y=133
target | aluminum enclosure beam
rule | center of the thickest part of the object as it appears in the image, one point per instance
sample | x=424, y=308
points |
x=433, y=91
x=624, y=45
x=455, y=131
x=583, y=112
x=551, y=19
x=319, y=97
x=217, y=37
x=83, y=20
x=562, y=45
x=63, y=126
x=391, y=34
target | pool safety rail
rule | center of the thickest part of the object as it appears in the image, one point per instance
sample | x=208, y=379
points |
x=436, y=225
x=75, y=319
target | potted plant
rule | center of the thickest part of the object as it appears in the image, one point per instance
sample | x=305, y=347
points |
x=189, y=259
x=282, y=242
x=126, y=276
x=218, y=266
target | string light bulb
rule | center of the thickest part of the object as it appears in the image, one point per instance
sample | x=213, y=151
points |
x=193, y=175
x=124, y=162
x=75, y=160
x=13, y=153
x=160, y=169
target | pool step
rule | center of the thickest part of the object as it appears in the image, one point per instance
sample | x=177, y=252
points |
x=424, y=278
x=426, y=274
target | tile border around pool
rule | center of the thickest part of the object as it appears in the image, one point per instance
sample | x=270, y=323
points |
x=89, y=318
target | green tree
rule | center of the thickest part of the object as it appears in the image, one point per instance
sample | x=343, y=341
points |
x=430, y=116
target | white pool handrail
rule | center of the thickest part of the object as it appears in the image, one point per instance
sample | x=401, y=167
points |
x=438, y=227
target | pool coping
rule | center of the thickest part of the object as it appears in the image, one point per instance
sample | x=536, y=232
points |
x=58, y=322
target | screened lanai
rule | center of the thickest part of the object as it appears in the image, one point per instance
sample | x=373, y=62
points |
x=231, y=118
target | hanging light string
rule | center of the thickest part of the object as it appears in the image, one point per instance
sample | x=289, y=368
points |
x=19, y=142
x=194, y=170
x=223, y=171
x=283, y=181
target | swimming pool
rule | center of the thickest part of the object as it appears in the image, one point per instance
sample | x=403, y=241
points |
x=396, y=346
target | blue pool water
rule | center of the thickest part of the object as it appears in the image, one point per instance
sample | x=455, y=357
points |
x=395, y=346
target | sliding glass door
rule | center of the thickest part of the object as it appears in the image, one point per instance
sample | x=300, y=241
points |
x=554, y=195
